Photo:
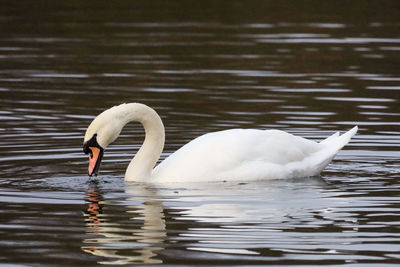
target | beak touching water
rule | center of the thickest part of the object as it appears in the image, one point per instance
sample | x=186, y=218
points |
x=95, y=157
x=95, y=153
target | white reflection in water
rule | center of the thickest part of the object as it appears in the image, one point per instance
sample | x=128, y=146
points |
x=225, y=218
x=110, y=238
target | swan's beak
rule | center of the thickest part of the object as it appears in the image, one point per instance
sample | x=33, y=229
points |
x=95, y=158
x=95, y=152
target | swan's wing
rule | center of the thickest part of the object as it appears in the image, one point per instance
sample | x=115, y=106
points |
x=223, y=152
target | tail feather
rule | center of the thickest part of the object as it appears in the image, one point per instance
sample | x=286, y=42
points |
x=330, y=138
x=332, y=146
x=338, y=142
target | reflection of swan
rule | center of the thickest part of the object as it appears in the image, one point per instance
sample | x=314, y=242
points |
x=122, y=242
x=153, y=224
x=236, y=154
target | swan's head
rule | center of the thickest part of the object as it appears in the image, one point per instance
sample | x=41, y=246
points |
x=103, y=130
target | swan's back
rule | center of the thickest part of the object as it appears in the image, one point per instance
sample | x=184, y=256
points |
x=248, y=154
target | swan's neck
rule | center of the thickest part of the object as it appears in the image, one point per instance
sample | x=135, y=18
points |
x=141, y=166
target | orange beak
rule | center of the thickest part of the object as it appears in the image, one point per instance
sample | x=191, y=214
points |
x=94, y=160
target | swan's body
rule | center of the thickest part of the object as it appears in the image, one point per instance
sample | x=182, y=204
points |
x=237, y=154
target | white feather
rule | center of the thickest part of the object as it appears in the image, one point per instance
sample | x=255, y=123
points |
x=240, y=154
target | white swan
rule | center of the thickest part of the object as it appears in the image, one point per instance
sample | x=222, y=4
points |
x=237, y=154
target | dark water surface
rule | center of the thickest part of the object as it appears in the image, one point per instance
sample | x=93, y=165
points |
x=308, y=67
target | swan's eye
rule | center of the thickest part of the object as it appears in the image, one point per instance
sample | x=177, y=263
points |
x=87, y=150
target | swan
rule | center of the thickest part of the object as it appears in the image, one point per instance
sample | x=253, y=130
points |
x=229, y=155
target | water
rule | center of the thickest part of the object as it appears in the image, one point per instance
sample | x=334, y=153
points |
x=308, y=67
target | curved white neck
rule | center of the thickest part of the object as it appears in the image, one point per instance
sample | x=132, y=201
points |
x=142, y=164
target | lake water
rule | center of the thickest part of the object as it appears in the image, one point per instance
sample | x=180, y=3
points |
x=307, y=67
